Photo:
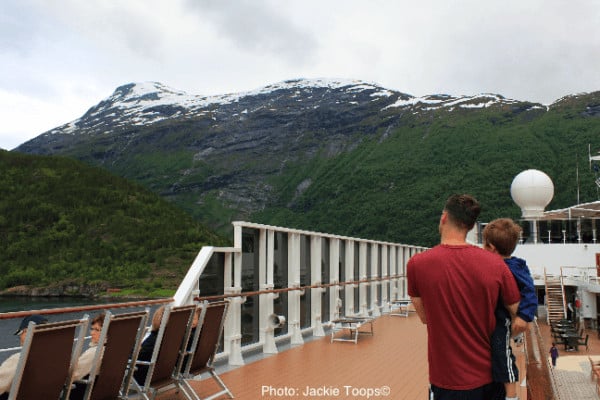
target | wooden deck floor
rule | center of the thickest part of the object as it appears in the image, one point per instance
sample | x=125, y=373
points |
x=393, y=360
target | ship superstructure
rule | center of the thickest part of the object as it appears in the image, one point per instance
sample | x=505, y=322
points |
x=561, y=247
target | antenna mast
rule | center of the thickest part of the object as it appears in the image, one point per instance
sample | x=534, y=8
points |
x=577, y=175
x=596, y=169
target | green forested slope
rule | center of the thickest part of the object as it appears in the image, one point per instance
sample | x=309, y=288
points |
x=65, y=224
x=394, y=188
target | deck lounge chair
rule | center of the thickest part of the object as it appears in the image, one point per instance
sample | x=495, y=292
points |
x=353, y=325
x=47, y=359
x=204, y=347
x=171, y=342
x=400, y=308
x=111, y=371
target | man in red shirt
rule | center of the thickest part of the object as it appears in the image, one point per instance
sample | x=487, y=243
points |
x=454, y=288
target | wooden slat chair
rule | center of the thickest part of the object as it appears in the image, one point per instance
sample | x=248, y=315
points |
x=111, y=370
x=172, y=339
x=193, y=339
x=204, y=348
x=47, y=360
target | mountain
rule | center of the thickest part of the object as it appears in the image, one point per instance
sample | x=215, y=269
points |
x=344, y=157
x=69, y=228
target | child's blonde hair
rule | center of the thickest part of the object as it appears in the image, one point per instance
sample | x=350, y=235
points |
x=503, y=234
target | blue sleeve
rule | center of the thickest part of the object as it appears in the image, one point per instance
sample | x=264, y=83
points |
x=528, y=303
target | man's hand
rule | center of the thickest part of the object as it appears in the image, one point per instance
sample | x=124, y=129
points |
x=519, y=325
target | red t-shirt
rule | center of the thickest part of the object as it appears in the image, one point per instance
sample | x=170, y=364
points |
x=460, y=287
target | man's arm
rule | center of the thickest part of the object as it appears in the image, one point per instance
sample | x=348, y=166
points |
x=512, y=309
x=419, y=308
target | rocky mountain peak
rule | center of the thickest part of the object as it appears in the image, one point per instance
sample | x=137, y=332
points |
x=147, y=103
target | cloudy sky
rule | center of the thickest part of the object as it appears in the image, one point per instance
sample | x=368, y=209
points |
x=60, y=57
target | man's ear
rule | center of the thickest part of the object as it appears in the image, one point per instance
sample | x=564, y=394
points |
x=444, y=217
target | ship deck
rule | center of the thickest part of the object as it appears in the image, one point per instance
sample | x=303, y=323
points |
x=393, y=359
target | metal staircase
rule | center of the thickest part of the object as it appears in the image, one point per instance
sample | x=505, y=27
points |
x=555, y=298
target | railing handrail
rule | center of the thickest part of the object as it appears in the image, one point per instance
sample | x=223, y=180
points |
x=299, y=288
x=63, y=310
x=541, y=384
x=245, y=224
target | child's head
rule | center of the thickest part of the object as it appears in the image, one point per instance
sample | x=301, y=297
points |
x=157, y=318
x=501, y=236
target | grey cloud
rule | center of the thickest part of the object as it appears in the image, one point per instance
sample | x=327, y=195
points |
x=253, y=25
x=20, y=23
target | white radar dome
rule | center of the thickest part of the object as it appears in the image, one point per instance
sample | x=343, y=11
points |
x=532, y=190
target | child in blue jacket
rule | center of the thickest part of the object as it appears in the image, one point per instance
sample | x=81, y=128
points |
x=501, y=236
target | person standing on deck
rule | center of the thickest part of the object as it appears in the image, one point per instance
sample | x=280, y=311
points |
x=554, y=354
x=455, y=288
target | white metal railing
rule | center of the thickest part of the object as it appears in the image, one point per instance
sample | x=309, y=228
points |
x=357, y=276
x=581, y=274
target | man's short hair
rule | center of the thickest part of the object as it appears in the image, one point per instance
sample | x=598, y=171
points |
x=463, y=210
x=503, y=234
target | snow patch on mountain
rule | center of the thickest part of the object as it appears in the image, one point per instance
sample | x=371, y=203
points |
x=431, y=102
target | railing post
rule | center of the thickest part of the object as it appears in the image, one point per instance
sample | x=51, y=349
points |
x=375, y=279
x=316, y=293
x=294, y=326
x=404, y=257
x=265, y=282
x=363, y=301
x=393, y=272
x=233, y=327
x=385, y=304
x=349, y=277
x=334, y=277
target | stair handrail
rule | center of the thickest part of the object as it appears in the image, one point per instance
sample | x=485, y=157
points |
x=547, y=297
x=562, y=293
